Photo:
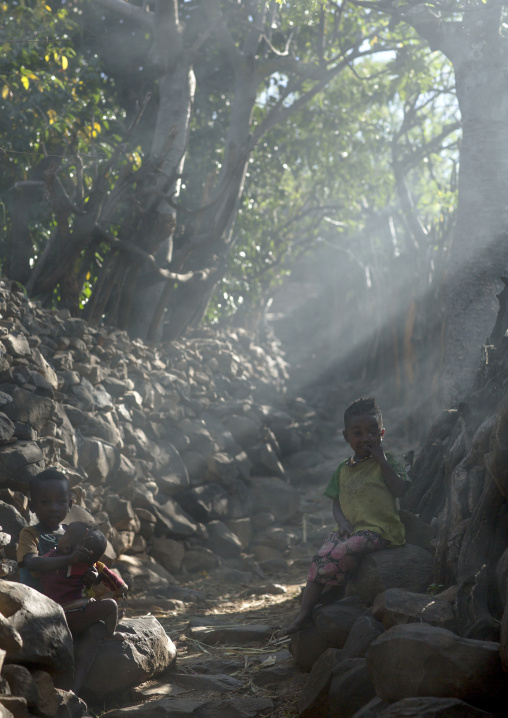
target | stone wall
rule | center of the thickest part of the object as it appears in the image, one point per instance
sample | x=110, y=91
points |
x=181, y=453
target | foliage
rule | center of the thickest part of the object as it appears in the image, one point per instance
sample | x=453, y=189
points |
x=55, y=107
x=321, y=137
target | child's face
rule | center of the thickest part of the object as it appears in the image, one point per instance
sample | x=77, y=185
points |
x=70, y=539
x=364, y=431
x=51, y=504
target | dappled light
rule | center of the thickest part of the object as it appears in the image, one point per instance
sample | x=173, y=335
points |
x=252, y=252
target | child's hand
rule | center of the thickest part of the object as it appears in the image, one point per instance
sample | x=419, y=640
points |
x=376, y=448
x=90, y=576
x=80, y=555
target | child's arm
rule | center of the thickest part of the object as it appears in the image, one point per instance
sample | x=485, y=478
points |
x=112, y=580
x=42, y=564
x=344, y=527
x=395, y=483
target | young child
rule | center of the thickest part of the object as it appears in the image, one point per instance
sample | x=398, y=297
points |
x=363, y=489
x=65, y=584
x=50, y=500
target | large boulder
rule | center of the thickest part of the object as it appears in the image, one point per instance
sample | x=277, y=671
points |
x=47, y=642
x=429, y=707
x=335, y=620
x=350, y=688
x=313, y=700
x=407, y=566
x=415, y=660
x=400, y=606
x=147, y=652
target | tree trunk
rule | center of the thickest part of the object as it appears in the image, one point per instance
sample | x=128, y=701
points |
x=177, y=85
x=478, y=254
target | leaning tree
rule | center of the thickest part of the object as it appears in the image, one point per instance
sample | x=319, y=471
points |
x=148, y=238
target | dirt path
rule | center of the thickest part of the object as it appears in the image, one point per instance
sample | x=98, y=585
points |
x=261, y=668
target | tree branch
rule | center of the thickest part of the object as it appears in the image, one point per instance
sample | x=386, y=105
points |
x=125, y=245
x=128, y=11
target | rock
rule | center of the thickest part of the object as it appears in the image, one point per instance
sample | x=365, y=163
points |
x=146, y=653
x=275, y=496
x=418, y=533
x=6, y=429
x=195, y=466
x=20, y=682
x=396, y=605
x=201, y=559
x=245, y=430
x=36, y=688
x=223, y=541
x=19, y=463
x=168, y=552
x=335, y=620
x=363, y=631
x=212, y=682
x=313, y=700
x=223, y=468
x=11, y=520
x=29, y=408
x=248, y=707
x=205, y=503
x=47, y=643
x=350, y=688
x=179, y=592
x=233, y=576
x=47, y=700
x=372, y=709
x=430, y=707
x=265, y=461
x=69, y=705
x=236, y=635
x=267, y=557
x=181, y=708
x=121, y=514
x=14, y=706
x=142, y=573
x=10, y=639
x=269, y=589
x=276, y=537
x=172, y=520
x=416, y=660
x=16, y=344
x=407, y=566
x=307, y=645
x=241, y=528
x=98, y=458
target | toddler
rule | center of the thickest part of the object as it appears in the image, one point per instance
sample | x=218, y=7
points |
x=364, y=490
x=50, y=500
x=65, y=585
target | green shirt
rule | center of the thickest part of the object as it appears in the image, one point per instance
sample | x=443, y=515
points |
x=365, y=499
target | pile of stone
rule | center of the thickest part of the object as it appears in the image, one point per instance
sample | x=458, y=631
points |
x=181, y=453
x=388, y=649
x=172, y=449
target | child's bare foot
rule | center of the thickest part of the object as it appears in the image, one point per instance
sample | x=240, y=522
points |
x=117, y=636
x=295, y=626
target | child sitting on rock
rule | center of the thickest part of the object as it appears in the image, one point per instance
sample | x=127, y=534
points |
x=65, y=585
x=363, y=488
x=51, y=501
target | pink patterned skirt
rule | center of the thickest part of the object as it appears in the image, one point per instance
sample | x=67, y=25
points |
x=339, y=557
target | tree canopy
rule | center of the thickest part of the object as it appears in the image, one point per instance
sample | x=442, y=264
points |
x=166, y=162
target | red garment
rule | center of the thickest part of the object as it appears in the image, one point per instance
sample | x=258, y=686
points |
x=65, y=584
